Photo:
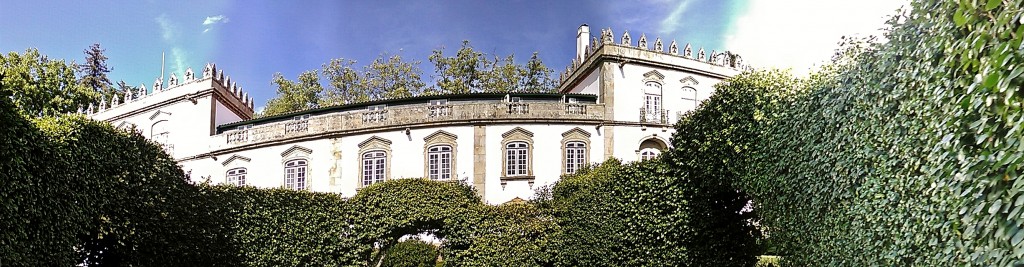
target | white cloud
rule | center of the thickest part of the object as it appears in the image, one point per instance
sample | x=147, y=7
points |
x=802, y=34
x=670, y=23
x=209, y=22
x=216, y=19
x=168, y=30
x=178, y=57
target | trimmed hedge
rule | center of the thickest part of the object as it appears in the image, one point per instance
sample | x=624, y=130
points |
x=902, y=153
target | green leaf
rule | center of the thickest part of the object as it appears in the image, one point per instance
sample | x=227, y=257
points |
x=992, y=4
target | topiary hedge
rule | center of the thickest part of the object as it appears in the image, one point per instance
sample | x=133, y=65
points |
x=907, y=152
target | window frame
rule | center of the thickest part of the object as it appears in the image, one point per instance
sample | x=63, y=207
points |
x=517, y=159
x=237, y=174
x=293, y=166
x=376, y=163
x=436, y=165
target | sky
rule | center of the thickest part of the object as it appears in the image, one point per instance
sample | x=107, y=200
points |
x=252, y=40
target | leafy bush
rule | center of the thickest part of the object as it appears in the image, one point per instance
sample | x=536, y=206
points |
x=411, y=253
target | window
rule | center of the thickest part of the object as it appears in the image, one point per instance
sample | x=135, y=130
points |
x=439, y=162
x=575, y=156
x=376, y=107
x=649, y=153
x=295, y=174
x=652, y=107
x=517, y=159
x=374, y=167
x=236, y=176
x=160, y=133
x=436, y=102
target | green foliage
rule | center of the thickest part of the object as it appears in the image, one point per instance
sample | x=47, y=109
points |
x=458, y=74
x=281, y=227
x=411, y=253
x=906, y=152
x=94, y=73
x=470, y=71
x=726, y=126
x=511, y=234
x=40, y=86
x=294, y=96
x=393, y=77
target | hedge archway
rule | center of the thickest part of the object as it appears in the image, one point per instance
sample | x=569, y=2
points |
x=387, y=211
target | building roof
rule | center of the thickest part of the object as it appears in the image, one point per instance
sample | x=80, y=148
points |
x=407, y=101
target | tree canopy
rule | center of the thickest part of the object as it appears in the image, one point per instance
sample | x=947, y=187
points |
x=41, y=86
x=94, y=73
x=391, y=76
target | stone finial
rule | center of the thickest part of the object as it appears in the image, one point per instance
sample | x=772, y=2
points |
x=673, y=48
x=234, y=87
x=189, y=75
x=607, y=37
x=208, y=70
x=173, y=81
x=89, y=110
x=590, y=48
x=127, y=96
x=114, y=101
x=220, y=75
x=642, y=44
x=625, y=39
x=142, y=90
x=158, y=85
x=700, y=55
x=103, y=103
x=251, y=105
x=687, y=51
x=658, y=46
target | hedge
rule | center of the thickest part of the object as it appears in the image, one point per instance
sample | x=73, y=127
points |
x=906, y=152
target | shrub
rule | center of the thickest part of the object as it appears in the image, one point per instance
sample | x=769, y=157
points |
x=411, y=253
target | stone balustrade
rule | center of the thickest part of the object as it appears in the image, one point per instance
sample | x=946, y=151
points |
x=410, y=115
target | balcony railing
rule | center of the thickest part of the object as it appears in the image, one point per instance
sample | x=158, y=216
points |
x=300, y=126
x=654, y=115
x=437, y=111
x=413, y=114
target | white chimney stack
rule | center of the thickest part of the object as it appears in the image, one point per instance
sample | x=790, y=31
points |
x=582, y=42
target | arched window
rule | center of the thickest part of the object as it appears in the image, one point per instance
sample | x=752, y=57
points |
x=651, y=148
x=575, y=156
x=295, y=174
x=374, y=167
x=517, y=159
x=236, y=176
x=439, y=162
x=649, y=153
x=652, y=102
x=160, y=133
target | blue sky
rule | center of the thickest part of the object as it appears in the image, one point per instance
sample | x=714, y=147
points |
x=251, y=40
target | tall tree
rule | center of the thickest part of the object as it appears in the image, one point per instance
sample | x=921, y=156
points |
x=459, y=74
x=346, y=84
x=43, y=87
x=503, y=75
x=537, y=76
x=294, y=95
x=391, y=77
x=94, y=72
x=123, y=87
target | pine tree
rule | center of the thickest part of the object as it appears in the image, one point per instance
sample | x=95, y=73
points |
x=94, y=72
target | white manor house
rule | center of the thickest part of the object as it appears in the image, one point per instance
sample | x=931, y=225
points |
x=617, y=99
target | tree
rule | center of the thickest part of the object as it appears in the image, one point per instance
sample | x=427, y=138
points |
x=40, y=86
x=504, y=75
x=294, y=96
x=346, y=85
x=459, y=74
x=537, y=76
x=94, y=72
x=393, y=78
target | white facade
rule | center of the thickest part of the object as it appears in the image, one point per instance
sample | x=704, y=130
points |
x=617, y=100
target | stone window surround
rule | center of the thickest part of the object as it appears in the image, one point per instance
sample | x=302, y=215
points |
x=374, y=143
x=659, y=143
x=575, y=135
x=440, y=137
x=517, y=134
x=294, y=153
x=234, y=162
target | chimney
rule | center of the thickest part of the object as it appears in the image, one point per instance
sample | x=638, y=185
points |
x=582, y=41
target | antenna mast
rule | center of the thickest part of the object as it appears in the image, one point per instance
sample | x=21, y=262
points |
x=161, y=67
